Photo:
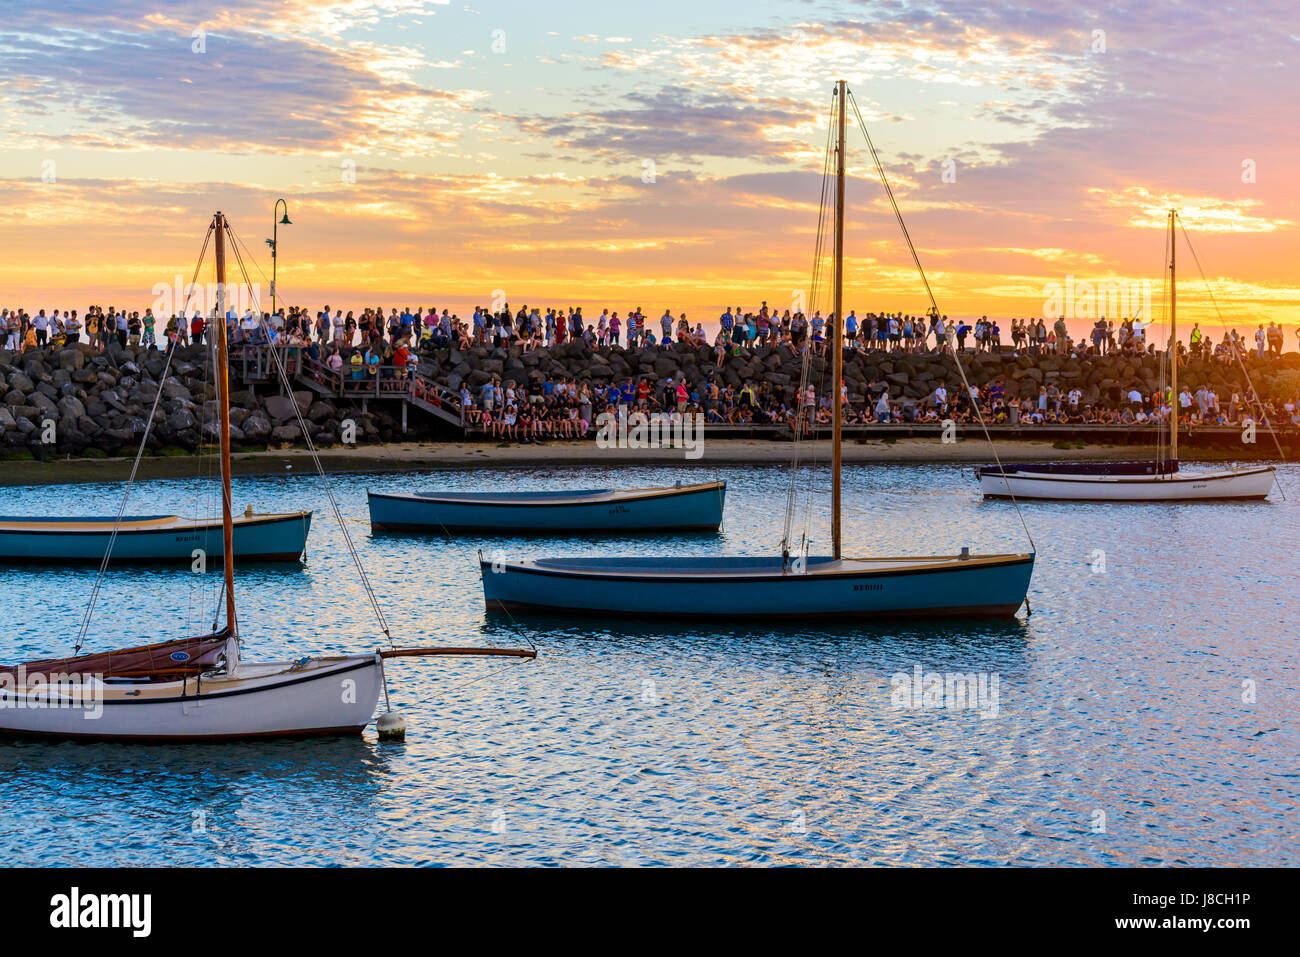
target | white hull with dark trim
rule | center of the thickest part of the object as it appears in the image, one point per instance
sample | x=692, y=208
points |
x=1244, y=484
x=315, y=696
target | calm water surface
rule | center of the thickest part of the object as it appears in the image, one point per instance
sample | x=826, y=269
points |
x=1120, y=734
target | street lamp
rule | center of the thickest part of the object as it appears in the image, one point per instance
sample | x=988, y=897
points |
x=275, y=224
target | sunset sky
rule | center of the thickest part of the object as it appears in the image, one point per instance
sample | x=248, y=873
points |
x=435, y=153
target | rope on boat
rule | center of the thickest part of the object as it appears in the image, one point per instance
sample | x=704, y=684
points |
x=135, y=466
x=384, y=445
x=1164, y=437
x=805, y=366
x=311, y=446
x=1259, y=404
x=952, y=340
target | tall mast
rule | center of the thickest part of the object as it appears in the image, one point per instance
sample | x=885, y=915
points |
x=837, y=334
x=1172, y=345
x=223, y=406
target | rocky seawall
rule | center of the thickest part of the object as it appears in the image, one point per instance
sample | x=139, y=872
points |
x=909, y=377
x=80, y=402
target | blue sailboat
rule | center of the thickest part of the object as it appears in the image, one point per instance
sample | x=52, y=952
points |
x=590, y=511
x=778, y=587
x=280, y=537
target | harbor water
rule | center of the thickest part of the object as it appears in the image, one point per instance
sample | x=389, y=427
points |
x=1143, y=714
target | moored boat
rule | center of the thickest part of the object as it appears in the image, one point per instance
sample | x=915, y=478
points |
x=280, y=537
x=1158, y=480
x=185, y=691
x=763, y=588
x=592, y=511
x=781, y=586
x=1123, y=482
x=200, y=689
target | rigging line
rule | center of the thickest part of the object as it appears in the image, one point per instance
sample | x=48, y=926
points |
x=819, y=393
x=804, y=366
x=889, y=192
x=337, y=513
x=1241, y=362
x=818, y=256
x=135, y=466
x=1165, y=428
x=276, y=355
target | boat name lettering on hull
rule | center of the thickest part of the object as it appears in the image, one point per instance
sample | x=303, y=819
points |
x=868, y=587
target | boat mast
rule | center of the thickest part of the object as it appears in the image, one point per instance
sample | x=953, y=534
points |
x=223, y=406
x=1172, y=345
x=837, y=334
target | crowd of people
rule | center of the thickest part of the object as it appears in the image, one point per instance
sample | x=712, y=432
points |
x=566, y=408
x=426, y=329
x=373, y=343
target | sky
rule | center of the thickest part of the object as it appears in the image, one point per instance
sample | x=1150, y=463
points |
x=666, y=154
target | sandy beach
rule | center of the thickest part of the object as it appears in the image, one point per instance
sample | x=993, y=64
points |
x=413, y=456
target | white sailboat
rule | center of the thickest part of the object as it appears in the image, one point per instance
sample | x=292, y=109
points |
x=1160, y=480
x=200, y=689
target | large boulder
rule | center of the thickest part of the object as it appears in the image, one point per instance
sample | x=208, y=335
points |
x=181, y=421
x=280, y=408
x=44, y=403
x=21, y=381
x=320, y=411
x=286, y=433
x=173, y=388
x=71, y=407
x=257, y=427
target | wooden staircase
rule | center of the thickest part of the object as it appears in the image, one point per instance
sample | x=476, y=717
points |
x=256, y=364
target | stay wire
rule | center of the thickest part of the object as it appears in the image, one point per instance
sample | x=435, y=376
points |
x=1259, y=404
x=135, y=467
x=952, y=345
x=276, y=354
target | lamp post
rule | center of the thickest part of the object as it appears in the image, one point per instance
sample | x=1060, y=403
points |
x=275, y=224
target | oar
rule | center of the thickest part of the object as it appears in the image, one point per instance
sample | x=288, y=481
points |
x=391, y=725
x=427, y=652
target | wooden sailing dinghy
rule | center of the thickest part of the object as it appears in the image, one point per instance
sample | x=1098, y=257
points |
x=1160, y=480
x=200, y=689
x=590, y=511
x=280, y=537
x=776, y=587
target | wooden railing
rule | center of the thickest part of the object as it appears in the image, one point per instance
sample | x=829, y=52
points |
x=256, y=363
x=387, y=382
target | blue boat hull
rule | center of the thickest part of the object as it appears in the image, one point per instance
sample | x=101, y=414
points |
x=599, y=511
x=271, y=538
x=758, y=588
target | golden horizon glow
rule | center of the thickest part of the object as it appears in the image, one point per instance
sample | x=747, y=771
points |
x=430, y=156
